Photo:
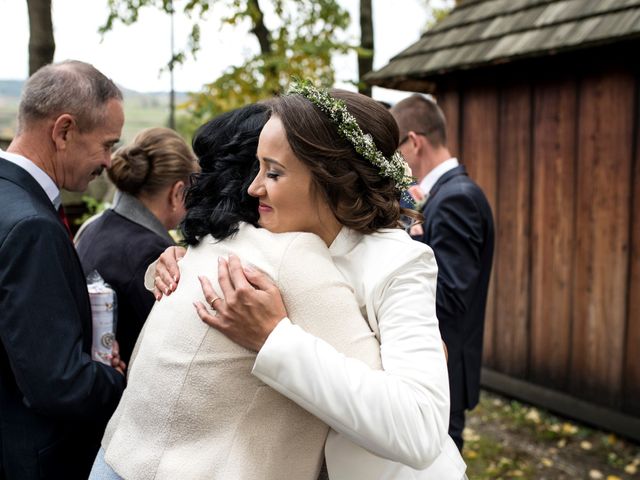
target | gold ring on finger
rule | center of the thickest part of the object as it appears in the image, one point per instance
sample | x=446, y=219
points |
x=214, y=301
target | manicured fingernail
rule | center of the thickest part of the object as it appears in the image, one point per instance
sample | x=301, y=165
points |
x=158, y=297
x=175, y=278
x=166, y=292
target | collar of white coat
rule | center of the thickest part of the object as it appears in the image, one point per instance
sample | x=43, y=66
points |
x=344, y=242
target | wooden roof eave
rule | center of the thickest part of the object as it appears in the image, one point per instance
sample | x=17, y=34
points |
x=478, y=35
x=406, y=71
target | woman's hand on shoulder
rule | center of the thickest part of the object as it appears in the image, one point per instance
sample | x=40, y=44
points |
x=167, y=271
x=249, y=308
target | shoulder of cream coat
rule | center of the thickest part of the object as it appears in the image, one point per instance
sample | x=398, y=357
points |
x=247, y=235
x=261, y=248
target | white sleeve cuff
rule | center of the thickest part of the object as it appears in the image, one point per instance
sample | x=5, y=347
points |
x=149, y=276
x=270, y=355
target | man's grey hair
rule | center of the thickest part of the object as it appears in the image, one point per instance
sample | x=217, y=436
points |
x=72, y=87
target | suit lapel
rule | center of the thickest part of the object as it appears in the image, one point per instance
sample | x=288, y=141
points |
x=24, y=180
x=454, y=172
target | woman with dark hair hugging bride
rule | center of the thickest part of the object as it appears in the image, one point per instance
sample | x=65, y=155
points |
x=328, y=167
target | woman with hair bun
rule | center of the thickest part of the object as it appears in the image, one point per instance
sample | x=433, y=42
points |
x=150, y=175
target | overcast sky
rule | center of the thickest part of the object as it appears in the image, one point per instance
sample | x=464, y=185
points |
x=134, y=55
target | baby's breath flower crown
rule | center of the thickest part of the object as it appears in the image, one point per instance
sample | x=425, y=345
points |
x=395, y=167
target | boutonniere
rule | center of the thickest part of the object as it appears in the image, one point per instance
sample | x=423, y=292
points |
x=418, y=197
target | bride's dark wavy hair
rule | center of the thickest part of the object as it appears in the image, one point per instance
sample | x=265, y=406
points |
x=217, y=199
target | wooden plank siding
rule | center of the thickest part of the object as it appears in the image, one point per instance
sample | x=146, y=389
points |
x=550, y=129
x=449, y=103
x=631, y=376
x=552, y=229
x=605, y=119
x=558, y=156
x=479, y=148
x=512, y=218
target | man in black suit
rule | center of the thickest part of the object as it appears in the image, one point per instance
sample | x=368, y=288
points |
x=458, y=227
x=54, y=399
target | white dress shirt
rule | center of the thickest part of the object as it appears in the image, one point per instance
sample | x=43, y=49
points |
x=434, y=175
x=39, y=175
x=401, y=413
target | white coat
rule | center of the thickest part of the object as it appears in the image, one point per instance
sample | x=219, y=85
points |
x=400, y=414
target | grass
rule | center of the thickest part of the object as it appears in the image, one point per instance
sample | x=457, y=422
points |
x=506, y=439
x=138, y=117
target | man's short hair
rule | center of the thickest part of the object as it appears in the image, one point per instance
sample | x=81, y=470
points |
x=421, y=115
x=72, y=87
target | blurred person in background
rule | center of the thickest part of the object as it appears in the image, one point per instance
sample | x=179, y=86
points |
x=150, y=175
x=458, y=226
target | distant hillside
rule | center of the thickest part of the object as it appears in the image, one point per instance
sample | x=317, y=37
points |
x=142, y=110
x=11, y=88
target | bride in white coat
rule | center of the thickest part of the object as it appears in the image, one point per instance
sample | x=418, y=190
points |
x=389, y=424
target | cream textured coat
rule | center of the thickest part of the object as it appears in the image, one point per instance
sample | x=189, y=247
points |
x=192, y=410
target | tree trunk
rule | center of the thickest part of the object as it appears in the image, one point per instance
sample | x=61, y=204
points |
x=365, y=59
x=259, y=29
x=41, y=43
x=264, y=39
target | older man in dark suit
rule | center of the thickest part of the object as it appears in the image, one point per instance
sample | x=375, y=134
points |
x=54, y=399
x=458, y=227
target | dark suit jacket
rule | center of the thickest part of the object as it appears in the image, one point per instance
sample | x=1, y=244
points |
x=121, y=250
x=459, y=228
x=54, y=400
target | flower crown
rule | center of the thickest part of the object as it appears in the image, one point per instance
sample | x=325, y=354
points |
x=395, y=167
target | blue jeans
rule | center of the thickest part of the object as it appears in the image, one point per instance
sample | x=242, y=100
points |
x=102, y=471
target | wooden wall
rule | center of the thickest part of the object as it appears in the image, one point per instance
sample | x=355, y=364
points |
x=557, y=156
